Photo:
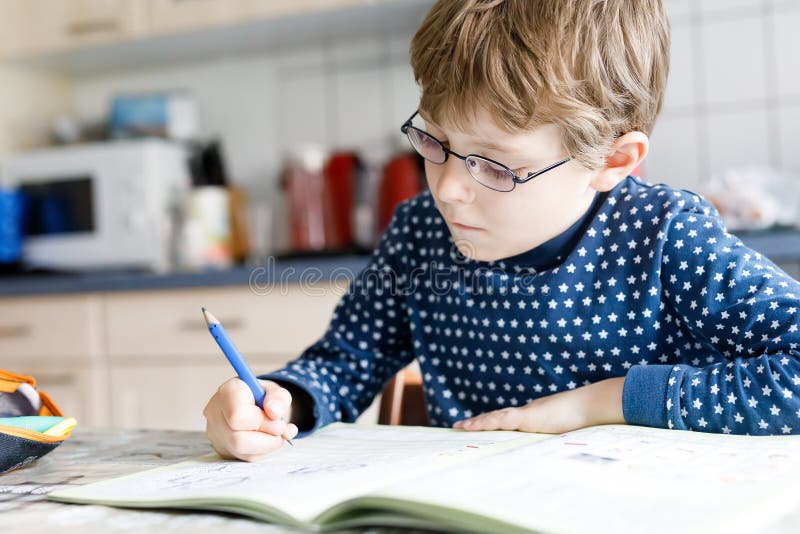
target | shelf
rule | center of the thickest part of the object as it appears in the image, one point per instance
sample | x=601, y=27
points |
x=363, y=18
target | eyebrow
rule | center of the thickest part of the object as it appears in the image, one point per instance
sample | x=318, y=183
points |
x=483, y=143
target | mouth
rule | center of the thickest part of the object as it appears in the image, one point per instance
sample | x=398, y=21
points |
x=465, y=227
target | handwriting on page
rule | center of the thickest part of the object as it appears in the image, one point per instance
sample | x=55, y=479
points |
x=305, y=479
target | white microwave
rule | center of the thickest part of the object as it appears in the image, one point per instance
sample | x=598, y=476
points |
x=100, y=206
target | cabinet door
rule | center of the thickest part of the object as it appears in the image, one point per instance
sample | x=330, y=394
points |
x=256, y=9
x=146, y=325
x=167, y=16
x=170, y=395
x=173, y=396
x=44, y=328
x=78, y=388
x=37, y=26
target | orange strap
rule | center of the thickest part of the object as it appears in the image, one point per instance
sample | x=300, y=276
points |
x=10, y=382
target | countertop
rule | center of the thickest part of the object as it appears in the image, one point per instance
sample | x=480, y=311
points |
x=781, y=246
x=280, y=270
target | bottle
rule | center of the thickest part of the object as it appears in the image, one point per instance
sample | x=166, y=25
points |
x=310, y=216
x=206, y=232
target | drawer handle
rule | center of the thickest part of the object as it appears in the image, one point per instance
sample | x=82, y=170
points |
x=86, y=27
x=15, y=331
x=193, y=325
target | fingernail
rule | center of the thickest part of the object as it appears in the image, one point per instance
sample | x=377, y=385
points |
x=466, y=424
x=276, y=409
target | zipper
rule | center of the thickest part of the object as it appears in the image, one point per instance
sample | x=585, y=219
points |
x=31, y=434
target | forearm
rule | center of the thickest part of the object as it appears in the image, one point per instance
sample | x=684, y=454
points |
x=604, y=402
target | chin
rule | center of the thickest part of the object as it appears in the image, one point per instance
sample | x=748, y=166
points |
x=475, y=252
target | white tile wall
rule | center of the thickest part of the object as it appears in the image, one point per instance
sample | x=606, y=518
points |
x=681, y=94
x=678, y=9
x=730, y=7
x=734, y=92
x=732, y=54
x=788, y=137
x=786, y=46
x=737, y=139
x=674, y=145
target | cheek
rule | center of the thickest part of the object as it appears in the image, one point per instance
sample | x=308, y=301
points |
x=509, y=212
x=432, y=173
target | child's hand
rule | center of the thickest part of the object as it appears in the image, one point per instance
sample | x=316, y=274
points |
x=238, y=428
x=596, y=404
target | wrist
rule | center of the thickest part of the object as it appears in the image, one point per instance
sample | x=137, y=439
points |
x=605, y=402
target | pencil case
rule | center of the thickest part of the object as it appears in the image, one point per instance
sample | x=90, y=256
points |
x=31, y=425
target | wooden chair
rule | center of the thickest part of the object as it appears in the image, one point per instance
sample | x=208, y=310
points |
x=403, y=400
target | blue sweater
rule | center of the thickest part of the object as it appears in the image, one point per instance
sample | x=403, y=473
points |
x=649, y=286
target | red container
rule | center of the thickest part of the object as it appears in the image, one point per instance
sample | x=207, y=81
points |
x=402, y=179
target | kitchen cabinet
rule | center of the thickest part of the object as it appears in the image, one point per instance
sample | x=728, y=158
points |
x=63, y=36
x=170, y=395
x=169, y=323
x=58, y=341
x=164, y=365
x=135, y=359
x=42, y=328
x=32, y=27
x=169, y=16
x=79, y=387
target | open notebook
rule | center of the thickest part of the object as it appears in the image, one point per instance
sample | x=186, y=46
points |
x=599, y=479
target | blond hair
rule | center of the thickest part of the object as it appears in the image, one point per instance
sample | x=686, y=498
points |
x=595, y=68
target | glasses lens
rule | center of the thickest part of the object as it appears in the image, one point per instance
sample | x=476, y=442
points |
x=428, y=147
x=492, y=175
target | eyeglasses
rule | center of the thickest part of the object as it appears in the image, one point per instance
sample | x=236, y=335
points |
x=485, y=171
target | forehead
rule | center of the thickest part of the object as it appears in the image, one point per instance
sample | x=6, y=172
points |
x=482, y=130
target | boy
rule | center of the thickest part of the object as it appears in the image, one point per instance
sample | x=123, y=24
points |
x=540, y=286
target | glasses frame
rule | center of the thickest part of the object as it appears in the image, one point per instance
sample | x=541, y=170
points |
x=447, y=153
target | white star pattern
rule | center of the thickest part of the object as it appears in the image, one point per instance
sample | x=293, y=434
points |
x=655, y=289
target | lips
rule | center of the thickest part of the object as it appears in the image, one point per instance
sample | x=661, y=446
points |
x=462, y=226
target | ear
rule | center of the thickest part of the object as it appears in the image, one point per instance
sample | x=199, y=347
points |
x=627, y=152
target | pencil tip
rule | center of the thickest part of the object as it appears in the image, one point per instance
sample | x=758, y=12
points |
x=202, y=308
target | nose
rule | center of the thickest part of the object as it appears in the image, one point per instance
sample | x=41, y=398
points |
x=454, y=184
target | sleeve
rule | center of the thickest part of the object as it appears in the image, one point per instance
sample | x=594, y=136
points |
x=367, y=341
x=732, y=302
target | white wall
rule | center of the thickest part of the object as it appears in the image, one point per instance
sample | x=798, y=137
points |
x=734, y=92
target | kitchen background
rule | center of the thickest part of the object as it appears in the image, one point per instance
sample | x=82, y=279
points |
x=281, y=86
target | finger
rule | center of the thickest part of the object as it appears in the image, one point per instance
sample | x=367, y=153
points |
x=505, y=419
x=240, y=413
x=236, y=388
x=278, y=400
x=216, y=429
x=251, y=445
x=276, y=427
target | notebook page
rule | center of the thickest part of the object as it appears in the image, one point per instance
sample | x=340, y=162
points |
x=337, y=463
x=625, y=479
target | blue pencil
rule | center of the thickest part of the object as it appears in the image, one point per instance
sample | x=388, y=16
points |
x=237, y=360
